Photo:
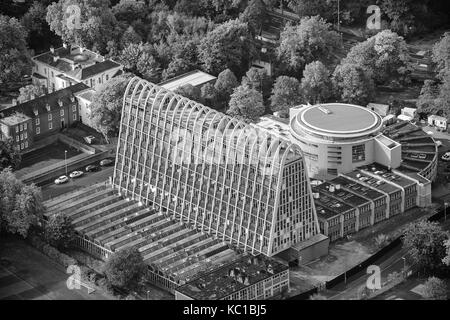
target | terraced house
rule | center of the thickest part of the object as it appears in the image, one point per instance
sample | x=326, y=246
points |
x=38, y=118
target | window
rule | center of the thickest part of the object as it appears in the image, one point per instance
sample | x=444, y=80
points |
x=26, y=144
x=74, y=117
x=17, y=138
x=45, y=70
x=38, y=130
x=332, y=171
x=49, y=117
x=17, y=129
x=358, y=153
x=24, y=126
x=21, y=136
x=21, y=146
x=107, y=77
x=38, y=121
x=50, y=125
x=62, y=112
x=25, y=135
x=74, y=108
x=21, y=128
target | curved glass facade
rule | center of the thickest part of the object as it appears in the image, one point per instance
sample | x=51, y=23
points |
x=220, y=175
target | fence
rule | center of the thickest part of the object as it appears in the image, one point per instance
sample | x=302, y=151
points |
x=92, y=248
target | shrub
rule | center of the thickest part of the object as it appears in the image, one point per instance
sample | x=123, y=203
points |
x=123, y=267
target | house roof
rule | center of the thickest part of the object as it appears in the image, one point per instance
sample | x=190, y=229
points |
x=14, y=119
x=40, y=103
x=76, y=64
x=195, y=78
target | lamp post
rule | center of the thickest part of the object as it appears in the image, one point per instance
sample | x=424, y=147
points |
x=148, y=291
x=65, y=160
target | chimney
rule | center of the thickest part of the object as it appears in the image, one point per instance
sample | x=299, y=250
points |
x=14, y=102
x=65, y=45
x=74, y=66
x=55, y=59
x=32, y=96
x=52, y=49
x=338, y=187
x=331, y=188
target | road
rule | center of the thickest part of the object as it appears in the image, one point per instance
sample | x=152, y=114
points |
x=52, y=190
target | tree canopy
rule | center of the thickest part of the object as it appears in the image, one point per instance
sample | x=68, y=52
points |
x=316, y=83
x=353, y=84
x=106, y=107
x=20, y=204
x=30, y=92
x=425, y=241
x=123, y=267
x=9, y=155
x=59, y=231
x=312, y=39
x=286, y=93
x=15, y=60
x=435, y=289
x=246, y=103
x=229, y=45
x=384, y=57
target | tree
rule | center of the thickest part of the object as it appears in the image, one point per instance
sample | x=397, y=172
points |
x=384, y=57
x=15, y=60
x=435, y=96
x=229, y=45
x=312, y=39
x=435, y=289
x=353, y=84
x=36, y=25
x=92, y=25
x=189, y=91
x=286, y=93
x=441, y=55
x=106, y=107
x=425, y=240
x=400, y=15
x=254, y=15
x=130, y=10
x=246, y=103
x=129, y=36
x=139, y=59
x=124, y=267
x=209, y=95
x=20, y=205
x=225, y=84
x=59, y=231
x=316, y=83
x=9, y=155
x=256, y=78
x=30, y=92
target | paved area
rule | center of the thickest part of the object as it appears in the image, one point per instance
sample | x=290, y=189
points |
x=52, y=190
x=42, y=158
x=27, y=274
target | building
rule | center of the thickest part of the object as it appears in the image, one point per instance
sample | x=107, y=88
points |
x=38, y=118
x=381, y=109
x=248, y=188
x=407, y=114
x=85, y=99
x=195, y=78
x=332, y=144
x=17, y=127
x=249, y=278
x=365, y=197
x=62, y=67
x=437, y=121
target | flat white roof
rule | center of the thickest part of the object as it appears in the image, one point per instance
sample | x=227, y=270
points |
x=195, y=78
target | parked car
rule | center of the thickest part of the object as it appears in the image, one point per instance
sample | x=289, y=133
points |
x=61, y=180
x=446, y=156
x=89, y=139
x=107, y=162
x=76, y=174
x=92, y=168
x=422, y=156
x=414, y=156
